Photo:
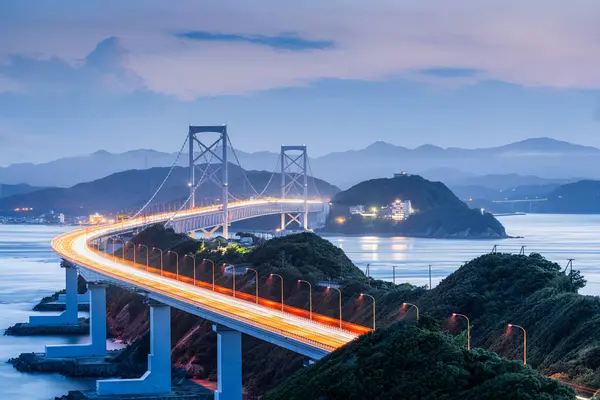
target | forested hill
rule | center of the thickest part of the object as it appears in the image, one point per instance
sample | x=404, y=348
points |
x=403, y=362
x=129, y=190
x=437, y=211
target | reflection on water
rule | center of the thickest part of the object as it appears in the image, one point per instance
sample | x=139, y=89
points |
x=557, y=237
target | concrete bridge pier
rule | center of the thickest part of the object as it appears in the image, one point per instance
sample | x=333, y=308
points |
x=69, y=316
x=157, y=380
x=97, y=345
x=229, y=363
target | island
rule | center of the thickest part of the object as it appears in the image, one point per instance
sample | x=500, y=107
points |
x=408, y=205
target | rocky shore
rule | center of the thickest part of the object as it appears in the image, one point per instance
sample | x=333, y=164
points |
x=25, y=329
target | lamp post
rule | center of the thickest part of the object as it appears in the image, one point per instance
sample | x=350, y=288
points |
x=176, y=263
x=524, y=341
x=373, y=298
x=161, y=259
x=133, y=244
x=233, y=269
x=122, y=248
x=147, y=256
x=309, y=296
x=280, y=277
x=340, y=292
x=394, y=274
x=468, y=328
x=194, y=260
x=213, y=271
x=255, y=281
x=413, y=305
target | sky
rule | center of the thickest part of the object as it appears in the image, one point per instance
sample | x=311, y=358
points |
x=76, y=77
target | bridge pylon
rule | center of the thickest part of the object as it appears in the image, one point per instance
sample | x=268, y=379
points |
x=207, y=151
x=294, y=177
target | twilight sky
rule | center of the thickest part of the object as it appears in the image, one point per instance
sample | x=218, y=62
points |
x=78, y=76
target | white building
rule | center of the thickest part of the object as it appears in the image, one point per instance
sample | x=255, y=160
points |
x=360, y=209
x=61, y=218
x=401, y=209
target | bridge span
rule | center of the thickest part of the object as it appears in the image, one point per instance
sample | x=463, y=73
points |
x=232, y=315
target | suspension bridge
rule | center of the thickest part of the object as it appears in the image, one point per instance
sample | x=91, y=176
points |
x=231, y=312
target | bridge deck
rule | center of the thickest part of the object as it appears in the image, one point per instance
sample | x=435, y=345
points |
x=259, y=320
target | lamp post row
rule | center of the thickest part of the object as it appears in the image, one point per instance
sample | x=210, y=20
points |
x=124, y=244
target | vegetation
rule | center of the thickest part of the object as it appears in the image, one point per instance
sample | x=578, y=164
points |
x=493, y=290
x=403, y=362
x=438, y=212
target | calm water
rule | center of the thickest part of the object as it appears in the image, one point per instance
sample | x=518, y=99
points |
x=29, y=271
x=556, y=237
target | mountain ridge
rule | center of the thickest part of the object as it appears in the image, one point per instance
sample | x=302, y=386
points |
x=544, y=157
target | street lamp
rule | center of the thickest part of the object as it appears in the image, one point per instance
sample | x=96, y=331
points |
x=194, y=260
x=122, y=248
x=416, y=308
x=161, y=259
x=309, y=296
x=133, y=244
x=213, y=271
x=255, y=281
x=147, y=256
x=340, y=292
x=468, y=328
x=373, y=298
x=280, y=277
x=233, y=267
x=176, y=263
x=524, y=341
x=394, y=274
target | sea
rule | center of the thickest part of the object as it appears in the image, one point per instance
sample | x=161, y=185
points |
x=29, y=270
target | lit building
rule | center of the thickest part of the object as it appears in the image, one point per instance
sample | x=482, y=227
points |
x=400, y=209
x=360, y=209
x=61, y=218
x=397, y=175
x=96, y=219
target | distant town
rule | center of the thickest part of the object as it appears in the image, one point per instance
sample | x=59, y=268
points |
x=26, y=215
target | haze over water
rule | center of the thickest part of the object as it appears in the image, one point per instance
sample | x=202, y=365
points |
x=29, y=270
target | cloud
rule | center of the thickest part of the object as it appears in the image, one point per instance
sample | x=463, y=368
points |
x=449, y=72
x=190, y=48
x=281, y=42
x=102, y=69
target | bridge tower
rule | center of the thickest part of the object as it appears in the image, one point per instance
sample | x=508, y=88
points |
x=206, y=149
x=294, y=167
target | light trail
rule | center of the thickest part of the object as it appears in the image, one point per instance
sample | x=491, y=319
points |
x=74, y=246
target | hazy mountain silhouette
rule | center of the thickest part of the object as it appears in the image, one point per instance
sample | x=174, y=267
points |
x=11, y=190
x=540, y=157
x=128, y=190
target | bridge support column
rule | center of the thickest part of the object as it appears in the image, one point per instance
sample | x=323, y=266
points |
x=69, y=316
x=229, y=363
x=158, y=377
x=97, y=345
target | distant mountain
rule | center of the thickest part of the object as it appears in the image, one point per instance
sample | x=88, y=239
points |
x=503, y=182
x=541, y=157
x=11, y=190
x=581, y=197
x=127, y=191
x=438, y=212
x=66, y=172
